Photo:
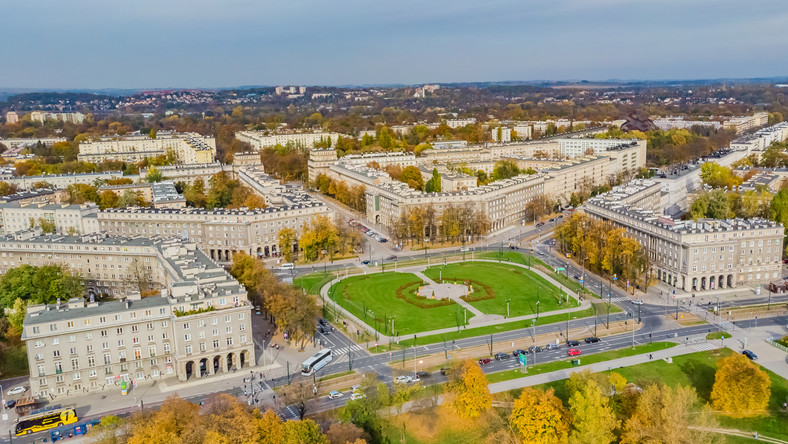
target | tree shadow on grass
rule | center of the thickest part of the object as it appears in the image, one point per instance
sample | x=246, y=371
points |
x=701, y=375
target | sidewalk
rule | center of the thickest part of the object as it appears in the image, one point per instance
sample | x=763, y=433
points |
x=385, y=339
x=594, y=368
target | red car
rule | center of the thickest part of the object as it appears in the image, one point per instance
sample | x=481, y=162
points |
x=573, y=352
x=484, y=361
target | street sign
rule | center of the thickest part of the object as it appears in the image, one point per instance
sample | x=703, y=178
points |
x=560, y=269
x=523, y=359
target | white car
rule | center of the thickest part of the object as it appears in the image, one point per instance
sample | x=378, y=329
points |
x=464, y=249
x=637, y=301
x=18, y=390
x=357, y=395
x=335, y=394
x=402, y=380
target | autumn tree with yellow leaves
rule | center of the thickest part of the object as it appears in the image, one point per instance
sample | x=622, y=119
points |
x=539, y=417
x=741, y=387
x=469, y=386
x=594, y=420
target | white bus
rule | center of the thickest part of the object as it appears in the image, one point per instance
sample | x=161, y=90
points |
x=287, y=266
x=316, y=362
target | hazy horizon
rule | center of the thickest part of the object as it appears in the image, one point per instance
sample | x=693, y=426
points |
x=85, y=44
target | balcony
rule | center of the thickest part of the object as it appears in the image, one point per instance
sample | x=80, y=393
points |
x=58, y=371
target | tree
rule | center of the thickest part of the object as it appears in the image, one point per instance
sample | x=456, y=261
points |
x=301, y=395
x=17, y=317
x=178, y=421
x=39, y=285
x=593, y=418
x=109, y=431
x=287, y=238
x=779, y=211
x=539, y=417
x=741, y=387
x=469, y=386
x=254, y=201
x=344, y=433
x=271, y=429
x=303, y=431
x=319, y=236
x=434, y=184
x=108, y=199
x=195, y=194
x=229, y=419
x=152, y=133
x=140, y=278
x=717, y=176
x=504, y=169
x=47, y=227
x=154, y=175
x=411, y=175
x=670, y=416
x=80, y=193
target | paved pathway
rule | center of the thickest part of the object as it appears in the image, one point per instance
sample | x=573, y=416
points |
x=450, y=291
x=596, y=367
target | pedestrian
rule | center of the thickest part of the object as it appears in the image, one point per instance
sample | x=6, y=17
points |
x=650, y=357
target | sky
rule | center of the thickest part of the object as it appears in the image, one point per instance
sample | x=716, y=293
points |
x=223, y=43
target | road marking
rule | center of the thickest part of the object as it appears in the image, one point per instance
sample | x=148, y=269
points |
x=345, y=350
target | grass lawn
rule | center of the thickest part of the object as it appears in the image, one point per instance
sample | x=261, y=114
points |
x=697, y=370
x=492, y=329
x=312, y=283
x=584, y=360
x=377, y=295
x=493, y=284
x=718, y=335
x=520, y=258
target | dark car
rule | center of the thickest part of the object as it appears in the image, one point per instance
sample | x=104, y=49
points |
x=501, y=356
x=9, y=404
x=484, y=361
x=322, y=321
x=540, y=224
x=445, y=370
x=749, y=354
x=534, y=349
x=365, y=262
x=591, y=340
x=512, y=247
x=560, y=217
x=518, y=352
x=552, y=220
x=392, y=258
x=423, y=374
x=552, y=346
x=323, y=329
x=572, y=343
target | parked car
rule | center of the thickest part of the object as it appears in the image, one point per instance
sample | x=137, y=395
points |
x=552, y=220
x=749, y=354
x=403, y=380
x=560, y=217
x=322, y=321
x=445, y=370
x=591, y=340
x=393, y=257
x=540, y=224
x=357, y=395
x=552, y=346
x=572, y=343
x=323, y=329
x=573, y=352
x=500, y=356
x=18, y=390
x=464, y=249
x=637, y=301
x=518, y=352
x=365, y=262
x=534, y=349
x=423, y=374
x=335, y=394
x=577, y=277
x=484, y=361
x=512, y=247
x=9, y=404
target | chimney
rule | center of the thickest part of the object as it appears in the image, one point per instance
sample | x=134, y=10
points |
x=128, y=303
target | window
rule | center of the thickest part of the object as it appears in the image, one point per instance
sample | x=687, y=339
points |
x=75, y=364
x=90, y=348
x=166, y=348
x=188, y=349
x=202, y=334
x=91, y=361
x=230, y=340
x=228, y=329
x=134, y=328
x=103, y=333
x=185, y=325
x=121, y=343
x=240, y=316
x=187, y=337
x=56, y=353
x=72, y=338
x=215, y=343
x=76, y=376
x=73, y=350
x=227, y=318
x=120, y=330
x=215, y=332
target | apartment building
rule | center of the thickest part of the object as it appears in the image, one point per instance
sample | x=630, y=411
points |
x=758, y=142
x=221, y=232
x=189, y=148
x=582, y=146
x=42, y=116
x=11, y=117
x=199, y=325
x=692, y=256
x=304, y=141
x=60, y=180
x=71, y=219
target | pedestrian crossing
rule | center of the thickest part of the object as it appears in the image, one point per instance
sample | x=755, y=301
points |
x=617, y=299
x=704, y=346
x=345, y=350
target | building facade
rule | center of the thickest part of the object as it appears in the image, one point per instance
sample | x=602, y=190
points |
x=693, y=256
x=67, y=219
x=189, y=148
x=198, y=326
x=305, y=141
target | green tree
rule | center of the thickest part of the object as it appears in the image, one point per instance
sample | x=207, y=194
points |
x=152, y=133
x=434, y=184
x=718, y=176
x=319, y=236
x=17, y=317
x=741, y=387
x=304, y=431
x=39, y=285
x=154, y=175
x=109, y=431
x=505, y=169
x=779, y=210
x=108, y=199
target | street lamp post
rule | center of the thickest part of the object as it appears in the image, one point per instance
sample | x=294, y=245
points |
x=507, y=307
